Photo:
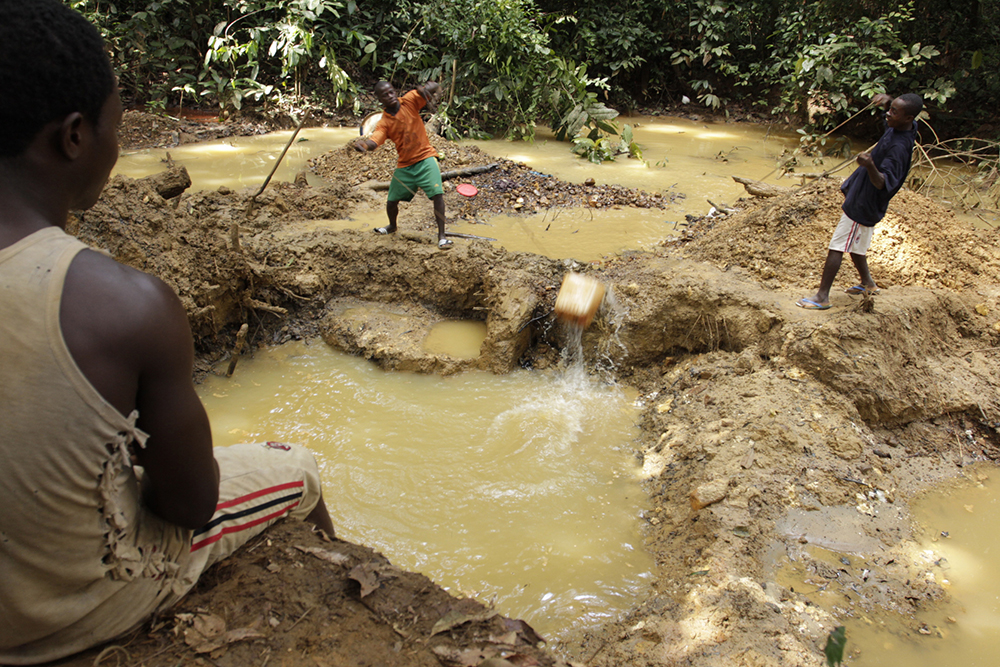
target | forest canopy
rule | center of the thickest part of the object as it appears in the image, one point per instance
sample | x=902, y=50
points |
x=505, y=65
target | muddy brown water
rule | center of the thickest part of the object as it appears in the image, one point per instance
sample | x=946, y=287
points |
x=518, y=489
x=957, y=548
x=696, y=159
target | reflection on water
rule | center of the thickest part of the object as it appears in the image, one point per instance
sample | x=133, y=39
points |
x=960, y=549
x=519, y=488
x=239, y=162
x=960, y=528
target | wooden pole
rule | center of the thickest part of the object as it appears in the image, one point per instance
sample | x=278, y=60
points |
x=282, y=156
x=240, y=339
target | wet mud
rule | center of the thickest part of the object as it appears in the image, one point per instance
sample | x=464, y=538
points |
x=760, y=421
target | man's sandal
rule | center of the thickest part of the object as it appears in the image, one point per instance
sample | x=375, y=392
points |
x=444, y=244
x=384, y=230
x=861, y=289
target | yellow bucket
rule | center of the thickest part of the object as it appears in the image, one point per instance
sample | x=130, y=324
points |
x=578, y=299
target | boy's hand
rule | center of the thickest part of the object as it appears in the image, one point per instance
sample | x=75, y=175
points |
x=432, y=92
x=882, y=100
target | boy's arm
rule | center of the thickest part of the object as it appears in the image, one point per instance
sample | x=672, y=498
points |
x=129, y=335
x=876, y=177
x=181, y=478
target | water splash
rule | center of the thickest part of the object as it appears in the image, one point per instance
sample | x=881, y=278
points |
x=609, y=351
x=518, y=488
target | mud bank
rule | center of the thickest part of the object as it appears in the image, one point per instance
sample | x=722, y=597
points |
x=763, y=424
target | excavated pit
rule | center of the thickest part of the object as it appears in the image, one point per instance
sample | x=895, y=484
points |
x=753, y=411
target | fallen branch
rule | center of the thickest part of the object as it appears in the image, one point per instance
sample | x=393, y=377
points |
x=241, y=337
x=266, y=307
x=761, y=189
x=446, y=175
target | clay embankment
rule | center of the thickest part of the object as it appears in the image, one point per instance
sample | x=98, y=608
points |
x=757, y=413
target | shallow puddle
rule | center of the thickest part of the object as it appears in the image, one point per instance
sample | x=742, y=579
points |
x=456, y=338
x=695, y=158
x=519, y=489
x=586, y=235
x=960, y=549
x=239, y=162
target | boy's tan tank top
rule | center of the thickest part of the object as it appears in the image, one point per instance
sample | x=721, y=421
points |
x=80, y=560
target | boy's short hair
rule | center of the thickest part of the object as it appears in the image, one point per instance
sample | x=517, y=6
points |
x=912, y=103
x=52, y=63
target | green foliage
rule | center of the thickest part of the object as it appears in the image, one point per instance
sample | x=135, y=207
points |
x=270, y=42
x=708, y=49
x=831, y=68
x=603, y=145
x=617, y=48
x=255, y=50
x=494, y=63
x=594, y=147
x=823, y=58
x=506, y=64
x=572, y=106
x=835, y=643
x=150, y=42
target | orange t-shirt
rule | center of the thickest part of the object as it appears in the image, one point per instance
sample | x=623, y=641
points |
x=406, y=129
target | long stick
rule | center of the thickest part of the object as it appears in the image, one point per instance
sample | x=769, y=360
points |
x=282, y=156
x=468, y=236
x=454, y=66
x=849, y=119
x=445, y=175
x=253, y=198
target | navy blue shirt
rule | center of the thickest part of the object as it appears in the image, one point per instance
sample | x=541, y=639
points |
x=863, y=202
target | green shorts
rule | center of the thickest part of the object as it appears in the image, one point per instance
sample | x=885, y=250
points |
x=424, y=175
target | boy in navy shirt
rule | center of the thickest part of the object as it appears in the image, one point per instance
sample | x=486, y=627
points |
x=866, y=196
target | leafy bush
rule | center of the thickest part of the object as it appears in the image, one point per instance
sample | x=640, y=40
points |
x=829, y=68
x=601, y=145
x=245, y=49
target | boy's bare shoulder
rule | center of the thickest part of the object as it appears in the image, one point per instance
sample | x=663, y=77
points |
x=118, y=302
x=105, y=277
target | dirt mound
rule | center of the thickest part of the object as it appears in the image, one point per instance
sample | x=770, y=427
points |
x=783, y=240
x=508, y=187
x=188, y=242
x=396, y=617
x=141, y=129
x=346, y=165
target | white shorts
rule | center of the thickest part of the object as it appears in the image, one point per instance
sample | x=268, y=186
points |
x=852, y=237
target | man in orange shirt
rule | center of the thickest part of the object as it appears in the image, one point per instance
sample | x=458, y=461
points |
x=417, y=167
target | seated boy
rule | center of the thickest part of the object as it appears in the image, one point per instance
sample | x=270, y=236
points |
x=114, y=500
